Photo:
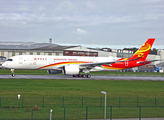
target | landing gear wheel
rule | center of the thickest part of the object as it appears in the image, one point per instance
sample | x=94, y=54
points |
x=79, y=75
x=83, y=75
x=88, y=75
x=13, y=75
x=74, y=75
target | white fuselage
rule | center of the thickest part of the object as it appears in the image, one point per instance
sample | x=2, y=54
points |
x=52, y=62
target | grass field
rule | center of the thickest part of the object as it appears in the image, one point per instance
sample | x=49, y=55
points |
x=33, y=87
x=73, y=91
x=75, y=95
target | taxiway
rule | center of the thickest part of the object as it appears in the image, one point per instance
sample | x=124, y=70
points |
x=92, y=78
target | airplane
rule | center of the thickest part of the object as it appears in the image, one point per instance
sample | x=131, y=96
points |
x=73, y=65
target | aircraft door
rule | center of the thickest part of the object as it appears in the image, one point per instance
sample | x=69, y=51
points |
x=50, y=60
x=20, y=60
x=126, y=63
x=94, y=61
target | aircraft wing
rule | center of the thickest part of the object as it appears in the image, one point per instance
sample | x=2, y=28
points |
x=147, y=61
x=90, y=65
x=95, y=64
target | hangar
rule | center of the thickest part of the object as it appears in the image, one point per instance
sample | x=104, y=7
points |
x=9, y=49
x=83, y=51
x=2, y=60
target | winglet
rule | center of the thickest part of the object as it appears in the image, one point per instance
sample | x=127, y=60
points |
x=143, y=52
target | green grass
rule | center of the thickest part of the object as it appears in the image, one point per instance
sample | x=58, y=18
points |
x=106, y=73
x=33, y=87
x=75, y=95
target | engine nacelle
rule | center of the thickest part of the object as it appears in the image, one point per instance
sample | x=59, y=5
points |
x=54, y=71
x=71, y=70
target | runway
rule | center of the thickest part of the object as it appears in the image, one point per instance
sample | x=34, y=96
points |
x=92, y=77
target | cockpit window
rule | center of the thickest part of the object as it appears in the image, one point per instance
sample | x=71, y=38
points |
x=10, y=60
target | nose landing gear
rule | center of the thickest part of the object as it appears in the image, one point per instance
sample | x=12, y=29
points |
x=13, y=74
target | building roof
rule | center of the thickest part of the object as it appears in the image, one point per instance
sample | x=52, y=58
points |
x=52, y=47
x=160, y=64
x=31, y=46
x=81, y=48
x=2, y=57
x=42, y=46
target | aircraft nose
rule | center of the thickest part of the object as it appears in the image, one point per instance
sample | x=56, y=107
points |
x=4, y=65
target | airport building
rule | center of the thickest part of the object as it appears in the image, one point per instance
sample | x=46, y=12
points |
x=2, y=60
x=12, y=49
x=9, y=49
x=161, y=63
x=83, y=51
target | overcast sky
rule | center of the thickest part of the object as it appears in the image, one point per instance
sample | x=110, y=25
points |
x=102, y=22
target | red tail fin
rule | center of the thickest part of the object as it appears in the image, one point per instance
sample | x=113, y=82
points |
x=143, y=52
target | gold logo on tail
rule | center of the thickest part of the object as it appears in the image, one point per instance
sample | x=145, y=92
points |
x=144, y=48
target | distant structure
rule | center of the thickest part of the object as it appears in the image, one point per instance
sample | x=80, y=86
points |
x=161, y=64
x=83, y=51
x=123, y=53
x=2, y=60
x=9, y=49
x=50, y=40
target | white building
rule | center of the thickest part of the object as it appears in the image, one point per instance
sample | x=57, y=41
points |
x=12, y=49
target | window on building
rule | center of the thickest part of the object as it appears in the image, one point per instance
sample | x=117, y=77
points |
x=80, y=52
x=2, y=53
x=66, y=52
x=20, y=53
x=49, y=53
x=13, y=53
x=57, y=54
x=38, y=53
x=31, y=53
x=74, y=52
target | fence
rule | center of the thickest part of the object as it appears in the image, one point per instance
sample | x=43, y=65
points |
x=69, y=108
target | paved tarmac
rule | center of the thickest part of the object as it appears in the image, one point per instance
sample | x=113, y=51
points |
x=92, y=77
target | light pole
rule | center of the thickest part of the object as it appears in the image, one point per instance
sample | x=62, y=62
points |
x=103, y=92
x=51, y=114
x=19, y=97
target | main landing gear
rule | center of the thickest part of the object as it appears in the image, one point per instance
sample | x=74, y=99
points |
x=13, y=74
x=82, y=75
